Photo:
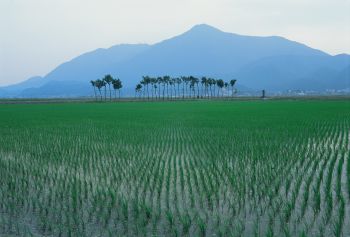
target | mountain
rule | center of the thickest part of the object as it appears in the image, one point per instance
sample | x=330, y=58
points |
x=13, y=90
x=272, y=63
x=297, y=72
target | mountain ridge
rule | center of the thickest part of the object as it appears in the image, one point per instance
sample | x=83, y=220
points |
x=258, y=62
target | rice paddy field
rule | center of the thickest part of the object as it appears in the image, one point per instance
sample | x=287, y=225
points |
x=205, y=168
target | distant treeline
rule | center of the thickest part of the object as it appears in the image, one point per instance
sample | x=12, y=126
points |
x=192, y=87
x=168, y=87
x=102, y=83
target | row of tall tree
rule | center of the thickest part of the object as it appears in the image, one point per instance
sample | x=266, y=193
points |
x=109, y=81
x=167, y=87
x=185, y=86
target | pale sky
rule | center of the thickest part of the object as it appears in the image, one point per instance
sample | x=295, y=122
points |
x=38, y=35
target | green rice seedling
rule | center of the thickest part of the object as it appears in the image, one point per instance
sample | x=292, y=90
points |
x=147, y=210
x=89, y=169
x=339, y=174
x=202, y=226
x=125, y=209
x=270, y=232
x=286, y=231
x=155, y=219
x=136, y=208
x=303, y=234
x=317, y=201
x=288, y=208
x=256, y=228
x=347, y=156
x=175, y=232
x=287, y=186
x=170, y=218
x=304, y=202
x=321, y=231
x=316, y=190
x=339, y=222
x=186, y=222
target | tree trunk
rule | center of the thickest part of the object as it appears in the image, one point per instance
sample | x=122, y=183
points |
x=202, y=91
x=167, y=90
x=183, y=91
x=152, y=90
x=178, y=89
x=159, y=91
x=100, y=94
x=147, y=92
x=197, y=90
x=171, y=91
x=95, y=93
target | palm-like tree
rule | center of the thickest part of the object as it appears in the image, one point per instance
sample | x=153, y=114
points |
x=189, y=82
x=99, y=84
x=204, y=82
x=138, y=89
x=178, y=82
x=117, y=85
x=196, y=82
x=155, y=89
x=232, y=84
x=143, y=84
x=109, y=79
x=104, y=84
x=93, y=84
x=184, y=83
x=226, y=86
x=147, y=81
x=214, y=86
x=159, y=82
x=153, y=82
x=220, y=84
x=211, y=82
x=191, y=87
x=166, y=81
x=189, y=79
x=171, y=83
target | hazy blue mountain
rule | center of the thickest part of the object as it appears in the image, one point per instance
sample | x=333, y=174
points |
x=13, y=90
x=271, y=63
x=207, y=50
x=95, y=64
x=3, y=93
x=58, y=88
x=295, y=72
